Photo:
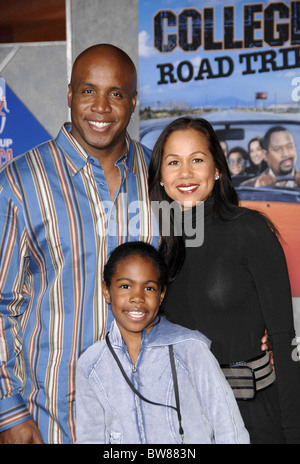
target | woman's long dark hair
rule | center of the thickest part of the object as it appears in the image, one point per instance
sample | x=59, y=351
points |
x=224, y=198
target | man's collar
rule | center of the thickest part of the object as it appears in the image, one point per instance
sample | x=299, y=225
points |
x=77, y=157
x=292, y=173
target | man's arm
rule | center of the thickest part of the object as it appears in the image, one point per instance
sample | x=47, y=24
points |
x=26, y=433
x=297, y=179
x=13, y=252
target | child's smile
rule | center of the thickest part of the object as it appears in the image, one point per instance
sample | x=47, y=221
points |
x=135, y=315
x=134, y=294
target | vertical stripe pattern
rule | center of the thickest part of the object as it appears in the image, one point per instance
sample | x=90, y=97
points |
x=57, y=227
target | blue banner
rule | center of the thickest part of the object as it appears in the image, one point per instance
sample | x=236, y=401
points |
x=19, y=129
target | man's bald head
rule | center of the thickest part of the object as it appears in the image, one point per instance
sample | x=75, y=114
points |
x=106, y=50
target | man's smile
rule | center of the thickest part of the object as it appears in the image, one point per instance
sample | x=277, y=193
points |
x=99, y=125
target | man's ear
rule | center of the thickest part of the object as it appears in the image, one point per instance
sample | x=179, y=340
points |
x=106, y=292
x=134, y=100
x=69, y=95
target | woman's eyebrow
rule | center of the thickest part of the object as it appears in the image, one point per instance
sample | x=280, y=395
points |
x=191, y=154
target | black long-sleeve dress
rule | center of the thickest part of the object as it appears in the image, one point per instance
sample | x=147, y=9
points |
x=231, y=288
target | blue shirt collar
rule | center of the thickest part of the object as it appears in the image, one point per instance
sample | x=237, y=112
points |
x=77, y=157
x=162, y=333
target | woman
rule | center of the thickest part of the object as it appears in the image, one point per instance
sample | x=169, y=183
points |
x=257, y=157
x=235, y=284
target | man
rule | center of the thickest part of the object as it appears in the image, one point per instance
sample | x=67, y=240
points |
x=281, y=157
x=64, y=206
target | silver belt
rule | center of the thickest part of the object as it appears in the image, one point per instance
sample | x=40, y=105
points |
x=246, y=378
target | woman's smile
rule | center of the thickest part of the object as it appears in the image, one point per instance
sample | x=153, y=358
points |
x=187, y=188
x=188, y=170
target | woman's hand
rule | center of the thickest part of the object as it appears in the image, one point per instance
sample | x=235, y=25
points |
x=266, y=346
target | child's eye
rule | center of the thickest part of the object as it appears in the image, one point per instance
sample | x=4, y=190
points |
x=125, y=286
x=149, y=288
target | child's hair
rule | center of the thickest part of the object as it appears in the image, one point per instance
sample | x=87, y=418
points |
x=142, y=249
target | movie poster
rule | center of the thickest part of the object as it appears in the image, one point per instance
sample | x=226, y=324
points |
x=236, y=64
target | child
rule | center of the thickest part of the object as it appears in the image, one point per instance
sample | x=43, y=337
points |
x=128, y=392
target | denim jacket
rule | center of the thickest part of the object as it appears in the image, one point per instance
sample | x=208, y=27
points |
x=108, y=411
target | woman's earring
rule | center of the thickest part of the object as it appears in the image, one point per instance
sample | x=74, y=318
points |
x=162, y=184
x=217, y=177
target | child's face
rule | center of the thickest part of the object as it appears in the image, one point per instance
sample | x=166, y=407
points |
x=134, y=294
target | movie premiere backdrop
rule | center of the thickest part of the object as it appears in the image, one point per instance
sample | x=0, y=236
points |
x=237, y=64
x=19, y=129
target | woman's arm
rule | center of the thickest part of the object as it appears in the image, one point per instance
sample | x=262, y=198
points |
x=268, y=268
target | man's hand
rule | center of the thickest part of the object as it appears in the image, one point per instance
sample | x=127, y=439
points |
x=265, y=179
x=26, y=433
x=297, y=179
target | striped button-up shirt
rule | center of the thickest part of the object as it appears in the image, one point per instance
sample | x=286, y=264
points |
x=58, y=225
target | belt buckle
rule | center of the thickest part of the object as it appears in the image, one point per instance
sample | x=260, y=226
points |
x=241, y=379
